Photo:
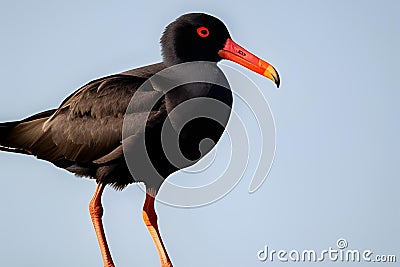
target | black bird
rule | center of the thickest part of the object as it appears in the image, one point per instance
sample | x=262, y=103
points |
x=86, y=134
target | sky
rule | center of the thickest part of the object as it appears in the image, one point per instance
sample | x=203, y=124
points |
x=335, y=172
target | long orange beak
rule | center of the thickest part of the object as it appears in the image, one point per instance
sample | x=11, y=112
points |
x=234, y=52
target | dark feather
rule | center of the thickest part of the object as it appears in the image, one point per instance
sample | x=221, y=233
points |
x=86, y=130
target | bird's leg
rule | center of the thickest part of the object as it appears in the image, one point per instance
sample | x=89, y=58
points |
x=96, y=213
x=150, y=219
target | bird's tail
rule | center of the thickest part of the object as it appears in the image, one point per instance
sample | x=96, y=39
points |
x=5, y=130
x=18, y=136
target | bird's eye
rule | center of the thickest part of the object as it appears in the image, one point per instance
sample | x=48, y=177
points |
x=203, y=32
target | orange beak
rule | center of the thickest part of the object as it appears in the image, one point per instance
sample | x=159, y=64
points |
x=234, y=52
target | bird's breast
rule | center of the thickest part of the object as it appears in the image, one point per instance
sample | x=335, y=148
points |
x=198, y=114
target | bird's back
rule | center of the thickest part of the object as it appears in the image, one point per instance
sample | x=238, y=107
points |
x=85, y=133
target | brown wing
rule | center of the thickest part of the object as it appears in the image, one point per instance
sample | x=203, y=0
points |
x=88, y=124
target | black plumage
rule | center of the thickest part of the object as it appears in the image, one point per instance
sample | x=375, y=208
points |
x=85, y=134
x=86, y=128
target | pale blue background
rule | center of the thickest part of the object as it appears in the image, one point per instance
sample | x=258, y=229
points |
x=336, y=169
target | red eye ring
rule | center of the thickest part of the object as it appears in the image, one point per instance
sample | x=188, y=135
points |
x=203, y=32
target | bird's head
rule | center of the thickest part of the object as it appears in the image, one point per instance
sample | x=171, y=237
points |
x=202, y=37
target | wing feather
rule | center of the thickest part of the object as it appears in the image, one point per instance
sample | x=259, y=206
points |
x=88, y=124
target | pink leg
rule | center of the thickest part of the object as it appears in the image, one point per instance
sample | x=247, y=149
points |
x=150, y=219
x=96, y=213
